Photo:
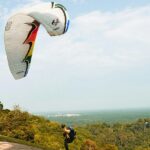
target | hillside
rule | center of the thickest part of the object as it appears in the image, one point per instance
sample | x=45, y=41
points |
x=40, y=132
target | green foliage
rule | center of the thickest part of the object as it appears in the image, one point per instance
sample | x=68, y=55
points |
x=109, y=147
x=100, y=136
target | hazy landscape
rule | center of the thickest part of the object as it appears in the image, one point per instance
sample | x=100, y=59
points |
x=128, y=130
x=88, y=117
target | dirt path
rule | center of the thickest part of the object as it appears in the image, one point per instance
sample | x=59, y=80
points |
x=14, y=146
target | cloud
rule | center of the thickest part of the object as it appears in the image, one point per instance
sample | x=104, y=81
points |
x=100, y=39
x=77, y=1
x=9, y=9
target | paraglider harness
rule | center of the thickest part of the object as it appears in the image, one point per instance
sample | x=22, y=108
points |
x=72, y=135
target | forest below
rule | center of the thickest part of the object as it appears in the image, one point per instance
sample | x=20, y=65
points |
x=34, y=129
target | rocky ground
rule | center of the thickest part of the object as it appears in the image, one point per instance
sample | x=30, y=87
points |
x=14, y=146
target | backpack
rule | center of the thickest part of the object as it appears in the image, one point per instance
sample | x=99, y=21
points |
x=72, y=133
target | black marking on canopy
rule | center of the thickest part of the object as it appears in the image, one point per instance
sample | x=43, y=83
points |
x=57, y=28
x=55, y=22
x=27, y=67
x=20, y=72
x=27, y=59
x=59, y=5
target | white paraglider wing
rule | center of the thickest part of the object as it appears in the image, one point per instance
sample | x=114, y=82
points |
x=20, y=35
x=21, y=31
x=54, y=18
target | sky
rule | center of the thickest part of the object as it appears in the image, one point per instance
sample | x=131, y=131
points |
x=102, y=62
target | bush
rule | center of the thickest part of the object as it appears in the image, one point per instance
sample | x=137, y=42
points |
x=89, y=145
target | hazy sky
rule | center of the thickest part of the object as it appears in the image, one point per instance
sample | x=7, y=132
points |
x=102, y=62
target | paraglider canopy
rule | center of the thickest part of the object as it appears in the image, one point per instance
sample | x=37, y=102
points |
x=21, y=31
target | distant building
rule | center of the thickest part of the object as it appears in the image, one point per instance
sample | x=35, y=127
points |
x=1, y=106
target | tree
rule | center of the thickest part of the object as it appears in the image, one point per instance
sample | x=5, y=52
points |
x=1, y=106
